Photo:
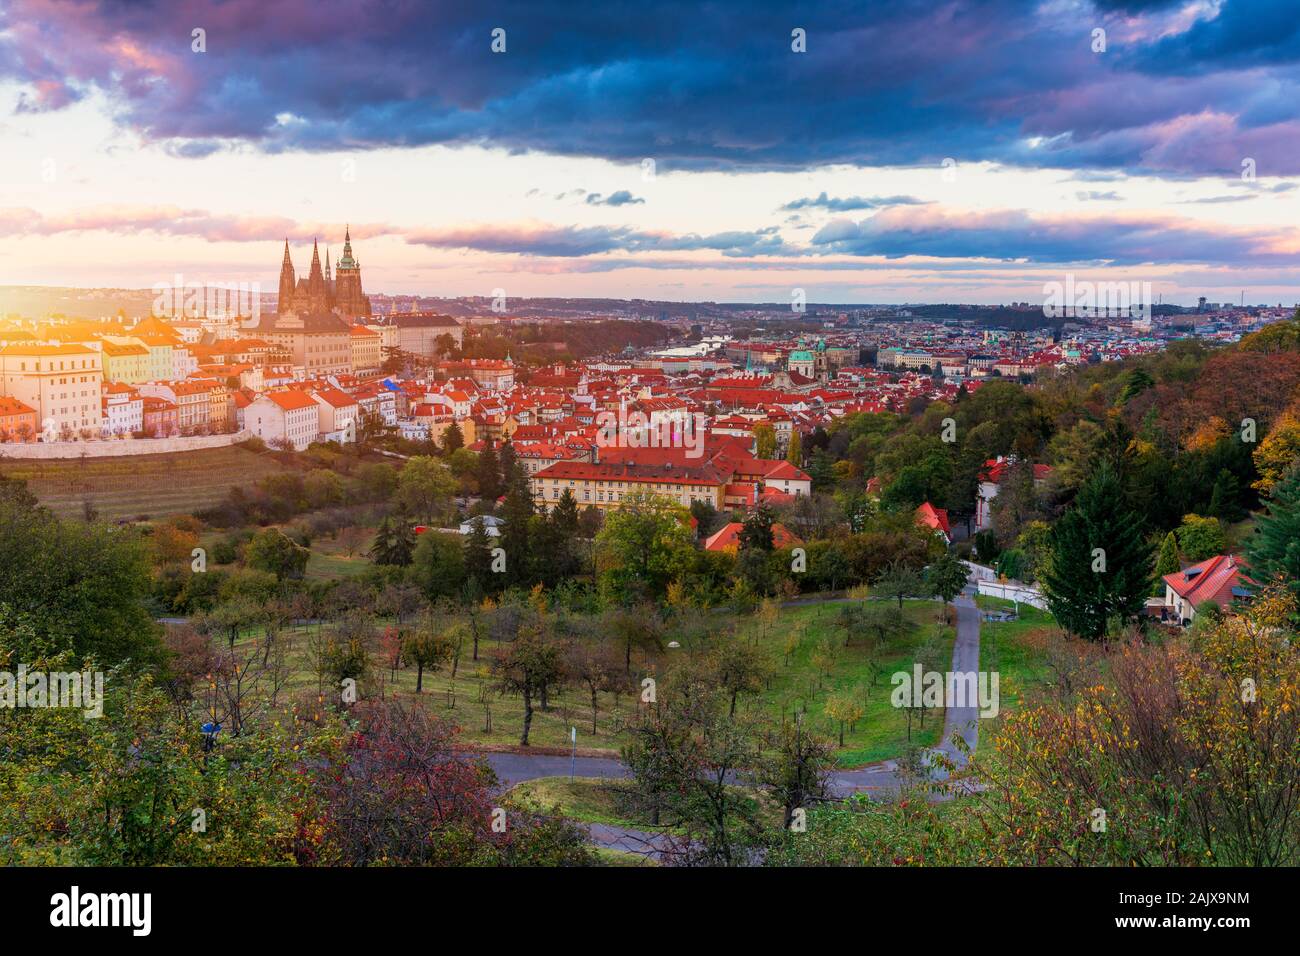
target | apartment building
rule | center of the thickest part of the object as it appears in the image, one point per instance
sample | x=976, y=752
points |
x=123, y=409
x=606, y=484
x=61, y=383
x=284, y=416
x=367, y=351
x=192, y=400
x=125, y=361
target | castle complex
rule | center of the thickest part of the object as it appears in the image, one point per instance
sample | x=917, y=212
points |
x=321, y=292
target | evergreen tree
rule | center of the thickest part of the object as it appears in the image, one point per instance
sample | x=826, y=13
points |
x=562, y=530
x=756, y=530
x=509, y=465
x=1100, y=571
x=1225, y=498
x=452, y=439
x=565, y=514
x=394, y=542
x=1166, y=562
x=517, y=512
x=822, y=470
x=1273, y=551
x=489, y=472
x=478, y=559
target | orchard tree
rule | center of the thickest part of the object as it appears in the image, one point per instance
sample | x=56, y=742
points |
x=899, y=581
x=738, y=667
x=796, y=768
x=946, y=577
x=427, y=648
x=527, y=668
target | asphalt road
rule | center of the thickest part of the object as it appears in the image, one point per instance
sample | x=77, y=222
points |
x=882, y=779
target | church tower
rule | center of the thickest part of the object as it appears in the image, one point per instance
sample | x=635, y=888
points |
x=352, y=302
x=287, y=282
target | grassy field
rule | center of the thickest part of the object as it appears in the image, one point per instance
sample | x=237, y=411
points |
x=330, y=561
x=135, y=485
x=1017, y=650
x=591, y=800
x=799, y=682
x=587, y=799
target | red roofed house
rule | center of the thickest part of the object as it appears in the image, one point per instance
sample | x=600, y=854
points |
x=1219, y=579
x=991, y=478
x=17, y=421
x=277, y=417
x=338, y=414
x=928, y=516
x=727, y=538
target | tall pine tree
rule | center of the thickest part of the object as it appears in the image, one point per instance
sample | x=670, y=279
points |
x=1273, y=551
x=489, y=473
x=452, y=439
x=1100, y=572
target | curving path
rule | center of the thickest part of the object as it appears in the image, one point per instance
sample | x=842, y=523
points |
x=884, y=779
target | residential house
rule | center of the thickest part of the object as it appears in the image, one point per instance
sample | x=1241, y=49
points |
x=280, y=417
x=1219, y=580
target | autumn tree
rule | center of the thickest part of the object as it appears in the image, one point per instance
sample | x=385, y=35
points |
x=737, y=667
x=527, y=667
x=428, y=648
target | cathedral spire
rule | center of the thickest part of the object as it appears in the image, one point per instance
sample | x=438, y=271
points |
x=316, y=289
x=287, y=282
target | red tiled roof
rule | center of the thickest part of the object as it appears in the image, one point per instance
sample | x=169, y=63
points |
x=932, y=517
x=673, y=474
x=995, y=469
x=728, y=537
x=1210, y=580
x=291, y=401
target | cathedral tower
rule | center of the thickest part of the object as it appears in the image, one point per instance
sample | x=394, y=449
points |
x=287, y=282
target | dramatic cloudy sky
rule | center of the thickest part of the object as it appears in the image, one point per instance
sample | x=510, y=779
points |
x=918, y=150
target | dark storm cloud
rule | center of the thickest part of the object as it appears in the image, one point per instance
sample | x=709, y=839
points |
x=907, y=82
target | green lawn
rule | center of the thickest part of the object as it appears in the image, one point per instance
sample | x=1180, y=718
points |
x=796, y=684
x=592, y=800
x=330, y=561
x=587, y=799
x=1017, y=650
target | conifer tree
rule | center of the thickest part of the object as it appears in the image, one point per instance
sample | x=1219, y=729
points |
x=1166, y=562
x=1100, y=572
x=1273, y=551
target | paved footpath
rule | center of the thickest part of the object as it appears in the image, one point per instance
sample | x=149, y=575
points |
x=883, y=779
